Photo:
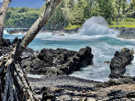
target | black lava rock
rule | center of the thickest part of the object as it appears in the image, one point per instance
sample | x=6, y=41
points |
x=58, y=62
x=119, y=62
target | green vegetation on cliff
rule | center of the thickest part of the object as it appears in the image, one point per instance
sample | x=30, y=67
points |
x=71, y=14
x=21, y=17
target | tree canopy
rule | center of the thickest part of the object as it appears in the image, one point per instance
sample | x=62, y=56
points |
x=73, y=12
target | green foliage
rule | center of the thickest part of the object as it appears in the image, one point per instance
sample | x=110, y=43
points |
x=57, y=21
x=72, y=27
x=120, y=7
x=71, y=14
x=122, y=26
x=76, y=11
x=105, y=9
x=127, y=22
x=21, y=17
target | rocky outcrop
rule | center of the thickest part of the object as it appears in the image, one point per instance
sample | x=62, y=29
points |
x=5, y=46
x=127, y=33
x=50, y=61
x=120, y=61
x=5, y=43
x=68, y=88
x=57, y=62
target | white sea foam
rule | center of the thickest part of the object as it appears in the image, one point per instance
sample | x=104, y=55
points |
x=34, y=76
x=96, y=25
x=66, y=36
x=93, y=73
x=123, y=39
x=93, y=28
x=133, y=60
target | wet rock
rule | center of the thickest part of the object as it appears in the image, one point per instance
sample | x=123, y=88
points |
x=5, y=43
x=117, y=94
x=27, y=53
x=57, y=62
x=127, y=33
x=50, y=61
x=119, y=62
x=55, y=57
x=65, y=98
x=85, y=56
x=16, y=40
x=48, y=97
x=122, y=89
x=6, y=46
x=130, y=95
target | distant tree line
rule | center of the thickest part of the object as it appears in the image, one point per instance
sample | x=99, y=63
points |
x=73, y=12
x=21, y=17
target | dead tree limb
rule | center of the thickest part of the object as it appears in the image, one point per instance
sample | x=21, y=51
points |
x=41, y=21
x=3, y=12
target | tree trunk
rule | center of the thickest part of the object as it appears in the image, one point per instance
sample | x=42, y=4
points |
x=3, y=12
x=40, y=22
x=36, y=27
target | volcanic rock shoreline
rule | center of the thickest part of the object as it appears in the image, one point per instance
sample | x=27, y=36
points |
x=67, y=88
x=119, y=62
x=56, y=62
x=56, y=85
x=51, y=61
x=126, y=33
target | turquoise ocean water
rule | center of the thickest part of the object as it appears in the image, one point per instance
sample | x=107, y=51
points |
x=103, y=48
x=103, y=41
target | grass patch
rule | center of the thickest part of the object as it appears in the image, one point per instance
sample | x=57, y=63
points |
x=120, y=26
x=72, y=27
x=127, y=23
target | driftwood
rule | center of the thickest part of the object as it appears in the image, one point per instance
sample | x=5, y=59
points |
x=14, y=85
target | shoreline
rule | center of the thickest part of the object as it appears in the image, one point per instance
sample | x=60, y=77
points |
x=68, y=88
x=126, y=33
x=63, y=88
x=24, y=30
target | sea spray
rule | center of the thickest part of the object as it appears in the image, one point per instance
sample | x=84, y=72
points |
x=96, y=25
x=93, y=28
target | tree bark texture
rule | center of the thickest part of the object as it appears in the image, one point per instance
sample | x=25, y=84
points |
x=40, y=22
x=3, y=11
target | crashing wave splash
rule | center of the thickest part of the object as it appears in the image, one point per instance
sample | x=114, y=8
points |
x=96, y=25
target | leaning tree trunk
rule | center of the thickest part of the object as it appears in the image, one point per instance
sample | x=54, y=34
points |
x=16, y=86
x=3, y=11
x=41, y=21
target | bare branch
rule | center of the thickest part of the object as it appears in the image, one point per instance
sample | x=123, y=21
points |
x=33, y=31
x=3, y=12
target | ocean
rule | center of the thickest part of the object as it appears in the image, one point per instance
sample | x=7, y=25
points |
x=103, y=41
